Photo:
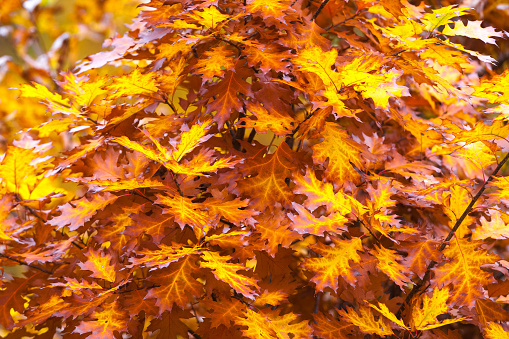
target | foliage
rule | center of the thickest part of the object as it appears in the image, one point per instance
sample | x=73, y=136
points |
x=265, y=169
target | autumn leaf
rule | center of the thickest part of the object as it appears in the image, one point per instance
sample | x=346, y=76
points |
x=134, y=83
x=426, y=310
x=496, y=228
x=388, y=263
x=105, y=324
x=227, y=272
x=464, y=272
x=341, y=153
x=75, y=215
x=365, y=321
x=101, y=265
x=473, y=29
x=179, y=285
x=334, y=263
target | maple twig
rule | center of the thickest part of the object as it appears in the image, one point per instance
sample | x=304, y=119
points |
x=25, y=264
x=458, y=223
x=322, y=5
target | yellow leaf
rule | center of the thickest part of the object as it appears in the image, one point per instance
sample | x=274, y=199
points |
x=463, y=271
x=134, y=83
x=366, y=322
x=425, y=311
x=227, y=272
x=473, y=29
x=100, y=265
x=341, y=151
x=105, y=323
x=387, y=263
x=15, y=168
x=495, y=331
x=384, y=310
x=190, y=139
x=209, y=17
x=496, y=228
x=334, y=262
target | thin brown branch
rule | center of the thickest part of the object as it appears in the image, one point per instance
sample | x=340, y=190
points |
x=322, y=5
x=444, y=243
x=25, y=264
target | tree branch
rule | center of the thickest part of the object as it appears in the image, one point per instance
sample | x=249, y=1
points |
x=25, y=264
x=322, y=5
x=458, y=223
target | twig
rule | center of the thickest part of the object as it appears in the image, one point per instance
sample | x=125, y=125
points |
x=432, y=264
x=25, y=264
x=322, y=5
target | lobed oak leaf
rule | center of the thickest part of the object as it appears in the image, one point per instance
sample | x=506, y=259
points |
x=319, y=194
x=426, y=310
x=488, y=311
x=104, y=324
x=219, y=60
x=74, y=285
x=365, y=321
x=164, y=256
x=43, y=312
x=209, y=16
x=53, y=100
x=496, y=228
x=130, y=185
x=463, y=271
x=100, y=264
x=12, y=297
x=340, y=151
x=227, y=272
x=265, y=121
x=80, y=152
x=187, y=212
x=387, y=263
x=420, y=254
x=190, y=139
x=270, y=325
x=306, y=223
x=266, y=183
x=84, y=210
x=473, y=29
x=179, y=288
x=329, y=328
x=274, y=231
x=134, y=83
x=334, y=262
x=495, y=331
x=16, y=168
x=267, y=58
x=83, y=89
x=442, y=16
x=222, y=312
x=225, y=99
x=384, y=310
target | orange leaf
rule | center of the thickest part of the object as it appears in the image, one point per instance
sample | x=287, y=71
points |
x=463, y=271
x=425, y=311
x=76, y=217
x=227, y=272
x=365, y=321
x=100, y=265
x=340, y=151
x=334, y=262
x=179, y=287
x=387, y=263
x=105, y=322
